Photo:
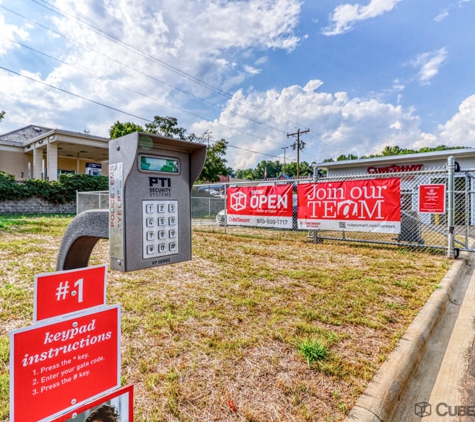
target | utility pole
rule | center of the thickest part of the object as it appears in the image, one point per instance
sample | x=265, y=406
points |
x=284, y=148
x=298, y=145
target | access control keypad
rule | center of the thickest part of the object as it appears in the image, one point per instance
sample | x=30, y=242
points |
x=160, y=228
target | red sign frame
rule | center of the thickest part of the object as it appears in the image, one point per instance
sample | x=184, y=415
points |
x=66, y=292
x=432, y=199
x=260, y=206
x=371, y=205
x=60, y=364
x=125, y=393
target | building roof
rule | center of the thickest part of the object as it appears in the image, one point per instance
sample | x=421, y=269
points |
x=406, y=158
x=66, y=133
x=20, y=137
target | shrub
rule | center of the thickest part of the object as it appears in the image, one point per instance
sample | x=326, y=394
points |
x=56, y=192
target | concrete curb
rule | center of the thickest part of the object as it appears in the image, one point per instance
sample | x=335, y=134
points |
x=378, y=401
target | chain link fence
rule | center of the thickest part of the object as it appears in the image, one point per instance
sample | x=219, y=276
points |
x=94, y=200
x=453, y=229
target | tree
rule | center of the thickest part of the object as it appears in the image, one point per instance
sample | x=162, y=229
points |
x=344, y=157
x=245, y=174
x=215, y=164
x=267, y=169
x=119, y=129
x=2, y=114
x=305, y=169
x=166, y=126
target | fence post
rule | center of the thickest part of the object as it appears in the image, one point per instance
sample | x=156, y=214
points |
x=225, y=207
x=450, y=208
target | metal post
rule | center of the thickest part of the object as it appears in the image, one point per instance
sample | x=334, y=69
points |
x=315, y=175
x=467, y=210
x=225, y=207
x=450, y=207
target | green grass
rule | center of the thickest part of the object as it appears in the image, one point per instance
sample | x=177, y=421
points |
x=260, y=321
x=313, y=350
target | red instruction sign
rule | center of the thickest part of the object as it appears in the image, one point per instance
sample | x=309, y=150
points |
x=432, y=199
x=54, y=366
x=65, y=292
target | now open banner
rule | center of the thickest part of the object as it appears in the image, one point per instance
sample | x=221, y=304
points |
x=260, y=206
x=357, y=205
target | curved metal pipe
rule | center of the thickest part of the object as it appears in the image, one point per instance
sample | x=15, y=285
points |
x=81, y=236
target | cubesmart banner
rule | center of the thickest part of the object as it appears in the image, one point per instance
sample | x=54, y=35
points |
x=260, y=206
x=357, y=205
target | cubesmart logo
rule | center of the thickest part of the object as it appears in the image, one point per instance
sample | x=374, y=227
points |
x=423, y=409
x=238, y=201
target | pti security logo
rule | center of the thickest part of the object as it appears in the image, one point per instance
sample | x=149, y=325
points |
x=423, y=409
x=238, y=201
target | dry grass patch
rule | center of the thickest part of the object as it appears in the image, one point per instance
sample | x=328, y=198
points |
x=219, y=338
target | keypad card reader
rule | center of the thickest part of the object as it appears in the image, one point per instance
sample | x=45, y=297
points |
x=150, y=181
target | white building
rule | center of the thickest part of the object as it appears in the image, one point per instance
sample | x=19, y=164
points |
x=44, y=153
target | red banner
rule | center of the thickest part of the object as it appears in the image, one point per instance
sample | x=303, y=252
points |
x=358, y=205
x=260, y=206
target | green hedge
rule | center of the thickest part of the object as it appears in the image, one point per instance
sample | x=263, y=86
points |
x=56, y=192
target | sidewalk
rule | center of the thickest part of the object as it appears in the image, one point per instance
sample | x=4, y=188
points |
x=431, y=370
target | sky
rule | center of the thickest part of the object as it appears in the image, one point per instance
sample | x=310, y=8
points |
x=359, y=75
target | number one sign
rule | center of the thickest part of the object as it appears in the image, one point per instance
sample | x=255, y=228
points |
x=65, y=292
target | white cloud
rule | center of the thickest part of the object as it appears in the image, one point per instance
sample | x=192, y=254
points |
x=429, y=64
x=441, y=16
x=192, y=36
x=345, y=16
x=219, y=42
x=460, y=129
x=12, y=32
x=252, y=70
x=446, y=12
x=338, y=124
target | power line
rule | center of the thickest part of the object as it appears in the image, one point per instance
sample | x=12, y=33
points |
x=169, y=67
x=174, y=69
x=133, y=69
x=105, y=105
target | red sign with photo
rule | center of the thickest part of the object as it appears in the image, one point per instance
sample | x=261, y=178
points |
x=432, y=199
x=261, y=206
x=61, y=364
x=64, y=292
x=120, y=402
x=357, y=205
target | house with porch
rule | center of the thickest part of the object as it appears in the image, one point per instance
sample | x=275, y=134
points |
x=44, y=153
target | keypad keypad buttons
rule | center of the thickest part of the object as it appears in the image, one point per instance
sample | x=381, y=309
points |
x=159, y=228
